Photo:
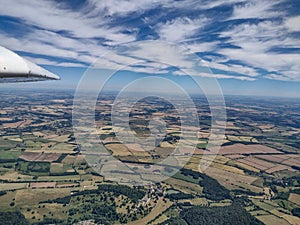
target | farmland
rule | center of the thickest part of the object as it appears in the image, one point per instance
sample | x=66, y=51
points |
x=45, y=177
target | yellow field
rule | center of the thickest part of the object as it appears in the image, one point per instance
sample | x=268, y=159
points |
x=244, y=166
x=184, y=186
x=160, y=207
x=195, y=201
x=295, y=198
x=291, y=219
x=12, y=186
x=29, y=197
x=159, y=220
x=62, y=138
x=53, y=210
x=272, y=220
x=62, y=148
x=118, y=149
x=218, y=162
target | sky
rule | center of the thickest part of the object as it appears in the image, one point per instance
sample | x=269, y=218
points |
x=251, y=47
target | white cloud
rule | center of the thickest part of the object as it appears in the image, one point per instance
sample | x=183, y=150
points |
x=180, y=28
x=257, y=44
x=82, y=36
x=255, y=9
x=48, y=15
x=293, y=23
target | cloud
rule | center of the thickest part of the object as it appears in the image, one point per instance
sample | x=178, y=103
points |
x=256, y=9
x=248, y=40
x=293, y=24
x=180, y=28
x=257, y=45
x=51, y=16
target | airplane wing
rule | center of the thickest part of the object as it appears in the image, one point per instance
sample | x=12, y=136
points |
x=14, y=68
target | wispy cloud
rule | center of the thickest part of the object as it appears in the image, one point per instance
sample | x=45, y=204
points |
x=242, y=39
x=293, y=24
x=180, y=28
x=255, y=9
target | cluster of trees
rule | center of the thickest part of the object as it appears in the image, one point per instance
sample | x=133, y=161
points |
x=296, y=212
x=234, y=214
x=12, y=218
x=105, y=214
x=133, y=193
x=33, y=167
x=173, y=221
x=211, y=187
x=178, y=196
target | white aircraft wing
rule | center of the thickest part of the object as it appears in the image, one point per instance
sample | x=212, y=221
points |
x=14, y=68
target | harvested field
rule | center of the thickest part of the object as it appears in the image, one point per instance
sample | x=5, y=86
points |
x=12, y=186
x=243, y=166
x=34, y=196
x=237, y=156
x=273, y=158
x=247, y=149
x=292, y=162
x=184, y=186
x=118, y=149
x=160, y=206
x=39, y=157
x=295, y=198
x=34, y=185
x=232, y=180
x=279, y=168
x=257, y=163
x=272, y=220
x=291, y=219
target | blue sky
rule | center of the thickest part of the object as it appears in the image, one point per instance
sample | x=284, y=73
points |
x=251, y=47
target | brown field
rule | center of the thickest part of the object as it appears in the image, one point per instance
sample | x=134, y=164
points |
x=184, y=186
x=25, y=123
x=252, y=164
x=243, y=166
x=295, y=198
x=195, y=201
x=235, y=156
x=118, y=149
x=273, y=158
x=34, y=185
x=259, y=162
x=246, y=149
x=272, y=220
x=292, y=162
x=12, y=125
x=110, y=140
x=39, y=157
x=279, y=168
